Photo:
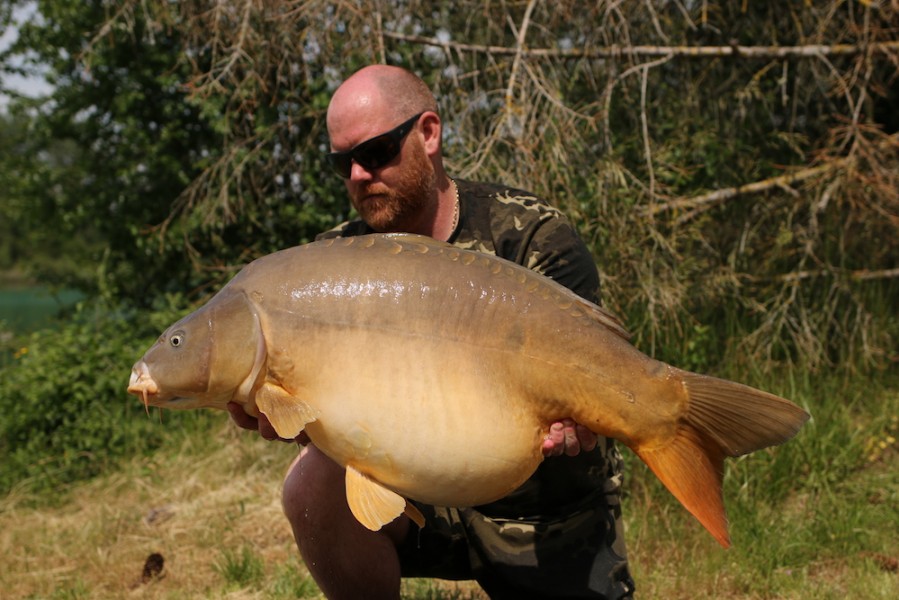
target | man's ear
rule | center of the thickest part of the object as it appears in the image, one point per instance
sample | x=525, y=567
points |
x=431, y=129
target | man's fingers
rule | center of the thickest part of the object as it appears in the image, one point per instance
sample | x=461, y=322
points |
x=571, y=445
x=586, y=438
x=553, y=442
x=262, y=424
x=569, y=438
x=241, y=418
x=267, y=430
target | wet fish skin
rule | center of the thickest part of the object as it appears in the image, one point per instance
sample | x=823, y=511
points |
x=432, y=373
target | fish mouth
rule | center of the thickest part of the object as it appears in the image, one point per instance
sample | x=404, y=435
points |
x=144, y=386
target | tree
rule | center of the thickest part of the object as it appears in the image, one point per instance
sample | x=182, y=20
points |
x=10, y=244
x=722, y=158
x=137, y=146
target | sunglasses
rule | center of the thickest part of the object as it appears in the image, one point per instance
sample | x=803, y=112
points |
x=373, y=153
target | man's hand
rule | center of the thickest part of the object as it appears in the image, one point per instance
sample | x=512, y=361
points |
x=262, y=425
x=569, y=438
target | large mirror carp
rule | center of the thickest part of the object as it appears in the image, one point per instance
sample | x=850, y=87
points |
x=433, y=373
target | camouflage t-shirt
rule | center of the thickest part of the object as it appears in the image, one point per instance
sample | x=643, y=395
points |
x=520, y=227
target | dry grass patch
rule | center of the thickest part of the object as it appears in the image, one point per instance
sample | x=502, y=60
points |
x=189, y=506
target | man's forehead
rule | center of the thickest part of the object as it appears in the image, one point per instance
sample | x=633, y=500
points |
x=354, y=119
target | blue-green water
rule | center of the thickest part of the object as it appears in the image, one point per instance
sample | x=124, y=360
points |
x=25, y=309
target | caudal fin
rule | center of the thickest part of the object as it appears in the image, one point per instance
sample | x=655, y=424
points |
x=724, y=418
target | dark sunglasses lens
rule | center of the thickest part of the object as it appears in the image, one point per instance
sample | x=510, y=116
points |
x=342, y=163
x=376, y=153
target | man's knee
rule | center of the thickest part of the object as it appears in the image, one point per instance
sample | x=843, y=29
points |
x=313, y=480
x=346, y=559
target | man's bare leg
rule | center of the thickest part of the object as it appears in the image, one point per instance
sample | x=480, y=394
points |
x=345, y=559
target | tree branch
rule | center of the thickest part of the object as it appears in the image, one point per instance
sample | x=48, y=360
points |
x=704, y=201
x=858, y=275
x=762, y=52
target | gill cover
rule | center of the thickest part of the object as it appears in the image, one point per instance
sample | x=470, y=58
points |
x=208, y=354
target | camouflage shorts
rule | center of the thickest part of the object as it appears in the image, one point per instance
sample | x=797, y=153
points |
x=580, y=555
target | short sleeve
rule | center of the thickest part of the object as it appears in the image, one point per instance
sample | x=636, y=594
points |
x=555, y=250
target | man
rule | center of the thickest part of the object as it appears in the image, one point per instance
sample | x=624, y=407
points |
x=559, y=535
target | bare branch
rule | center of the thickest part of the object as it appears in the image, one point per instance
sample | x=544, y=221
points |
x=859, y=275
x=644, y=126
x=519, y=50
x=238, y=51
x=610, y=86
x=616, y=52
x=505, y=117
x=707, y=200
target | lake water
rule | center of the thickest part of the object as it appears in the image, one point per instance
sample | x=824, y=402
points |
x=24, y=309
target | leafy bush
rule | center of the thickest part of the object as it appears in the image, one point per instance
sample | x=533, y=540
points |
x=64, y=413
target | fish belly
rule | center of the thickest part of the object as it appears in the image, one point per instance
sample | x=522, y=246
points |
x=426, y=418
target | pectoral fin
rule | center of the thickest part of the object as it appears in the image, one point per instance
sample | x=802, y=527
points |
x=373, y=505
x=288, y=414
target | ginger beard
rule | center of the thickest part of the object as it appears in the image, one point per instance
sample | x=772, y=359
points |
x=397, y=208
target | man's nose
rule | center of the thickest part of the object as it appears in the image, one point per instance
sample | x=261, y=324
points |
x=359, y=173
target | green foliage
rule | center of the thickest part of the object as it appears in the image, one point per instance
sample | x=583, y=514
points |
x=97, y=176
x=11, y=247
x=64, y=413
x=168, y=156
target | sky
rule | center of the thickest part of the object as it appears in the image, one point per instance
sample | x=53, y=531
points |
x=30, y=86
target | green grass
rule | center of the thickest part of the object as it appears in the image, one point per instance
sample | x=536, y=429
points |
x=241, y=568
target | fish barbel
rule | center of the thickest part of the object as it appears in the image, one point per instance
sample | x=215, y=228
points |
x=432, y=373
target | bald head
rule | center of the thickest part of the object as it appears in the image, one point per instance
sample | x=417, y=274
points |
x=380, y=92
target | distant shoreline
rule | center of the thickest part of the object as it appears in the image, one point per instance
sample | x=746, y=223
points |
x=14, y=278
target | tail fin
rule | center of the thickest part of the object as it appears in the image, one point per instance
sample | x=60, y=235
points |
x=724, y=418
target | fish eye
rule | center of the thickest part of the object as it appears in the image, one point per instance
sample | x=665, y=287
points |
x=177, y=339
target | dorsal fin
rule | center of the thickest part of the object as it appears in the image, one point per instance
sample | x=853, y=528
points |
x=606, y=318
